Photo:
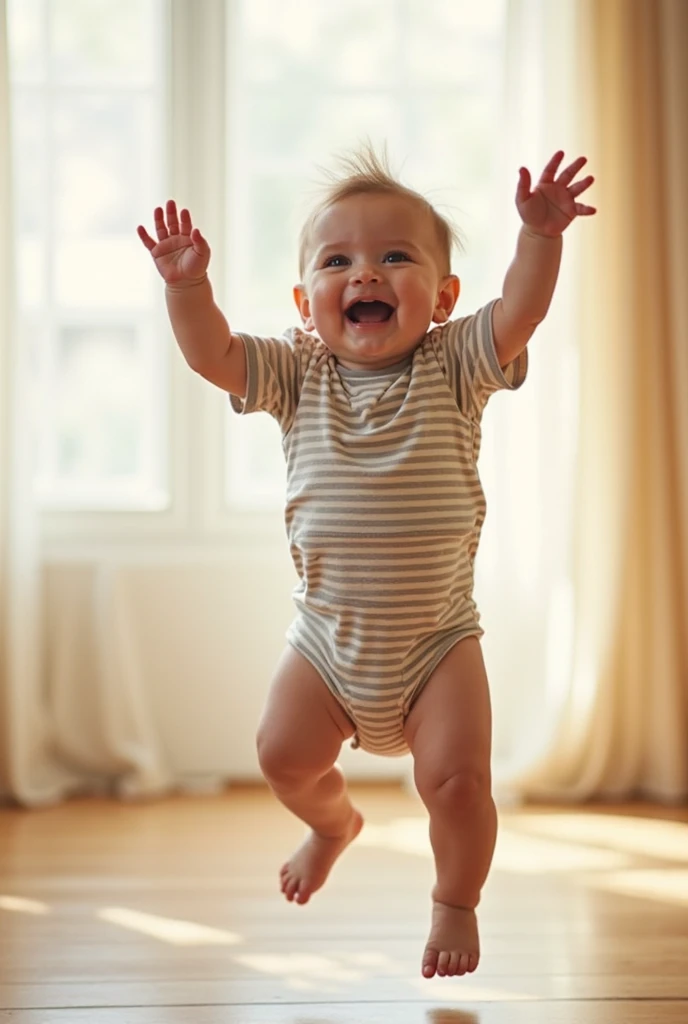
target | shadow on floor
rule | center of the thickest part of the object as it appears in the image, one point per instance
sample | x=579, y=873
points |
x=445, y=1016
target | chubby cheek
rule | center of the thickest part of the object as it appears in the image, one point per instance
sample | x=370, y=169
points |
x=326, y=303
x=415, y=308
x=325, y=317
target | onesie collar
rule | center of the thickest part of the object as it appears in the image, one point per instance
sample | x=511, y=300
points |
x=386, y=371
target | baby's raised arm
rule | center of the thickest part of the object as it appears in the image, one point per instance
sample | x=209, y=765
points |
x=546, y=212
x=181, y=256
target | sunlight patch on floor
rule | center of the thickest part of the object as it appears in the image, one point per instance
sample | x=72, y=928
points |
x=531, y=855
x=454, y=990
x=374, y=959
x=523, y=854
x=167, y=929
x=663, y=884
x=19, y=905
x=645, y=837
x=403, y=835
x=306, y=972
x=295, y=964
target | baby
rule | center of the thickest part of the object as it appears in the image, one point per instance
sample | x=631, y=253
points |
x=380, y=419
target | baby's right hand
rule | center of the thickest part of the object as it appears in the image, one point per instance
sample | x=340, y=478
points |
x=181, y=253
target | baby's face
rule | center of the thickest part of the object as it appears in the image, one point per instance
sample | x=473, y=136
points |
x=373, y=281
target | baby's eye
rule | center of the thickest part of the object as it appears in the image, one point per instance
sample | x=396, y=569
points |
x=336, y=261
x=397, y=256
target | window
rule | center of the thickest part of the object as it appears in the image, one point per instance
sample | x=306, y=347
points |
x=309, y=79
x=96, y=85
x=88, y=103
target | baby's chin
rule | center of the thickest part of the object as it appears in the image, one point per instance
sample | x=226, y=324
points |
x=373, y=354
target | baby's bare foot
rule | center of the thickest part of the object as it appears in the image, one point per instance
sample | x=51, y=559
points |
x=309, y=867
x=453, y=946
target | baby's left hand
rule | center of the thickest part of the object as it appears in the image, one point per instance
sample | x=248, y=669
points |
x=551, y=206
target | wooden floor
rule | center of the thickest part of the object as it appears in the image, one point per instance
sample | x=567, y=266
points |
x=169, y=912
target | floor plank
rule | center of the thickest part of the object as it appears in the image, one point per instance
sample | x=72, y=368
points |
x=116, y=913
x=582, y=1012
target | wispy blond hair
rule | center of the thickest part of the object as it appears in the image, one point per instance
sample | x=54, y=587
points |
x=365, y=171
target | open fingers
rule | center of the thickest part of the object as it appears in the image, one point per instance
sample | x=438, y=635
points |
x=166, y=222
x=570, y=172
x=159, y=223
x=580, y=186
x=145, y=237
x=185, y=222
x=199, y=243
x=551, y=167
x=585, y=211
x=523, y=187
x=172, y=220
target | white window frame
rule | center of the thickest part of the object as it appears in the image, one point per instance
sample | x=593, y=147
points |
x=196, y=159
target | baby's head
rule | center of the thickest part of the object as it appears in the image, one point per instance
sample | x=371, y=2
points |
x=375, y=266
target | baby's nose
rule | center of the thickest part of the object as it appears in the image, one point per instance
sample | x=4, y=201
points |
x=364, y=273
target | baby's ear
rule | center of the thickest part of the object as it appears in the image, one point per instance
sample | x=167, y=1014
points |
x=303, y=306
x=447, y=294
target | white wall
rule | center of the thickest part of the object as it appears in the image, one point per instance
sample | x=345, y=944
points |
x=202, y=635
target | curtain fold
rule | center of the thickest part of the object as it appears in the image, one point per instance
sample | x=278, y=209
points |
x=26, y=771
x=102, y=723
x=622, y=725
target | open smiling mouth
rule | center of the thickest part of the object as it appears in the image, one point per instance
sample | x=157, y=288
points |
x=369, y=312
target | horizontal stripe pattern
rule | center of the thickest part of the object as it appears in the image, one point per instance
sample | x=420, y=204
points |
x=384, y=507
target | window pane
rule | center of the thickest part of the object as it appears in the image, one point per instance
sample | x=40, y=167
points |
x=454, y=43
x=101, y=273
x=309, y=79
x=101, y=157
x=98, y=398
x=321, y=45
x=96, y=40
x=99, y=408
x=26, y=20
x=87, y=156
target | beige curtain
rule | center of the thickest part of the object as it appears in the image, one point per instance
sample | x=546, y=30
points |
x=6, y=321
x=24, y=772
x=623, y=727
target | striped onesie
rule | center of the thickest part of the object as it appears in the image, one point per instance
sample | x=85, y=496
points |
x=384, y=507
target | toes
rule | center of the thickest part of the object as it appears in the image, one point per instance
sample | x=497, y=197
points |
x=429, y=963
x=448, y=964
x=290, y=887
x=303, y=895
x=453, y=965
x=443, y=963
x=284, y=877
x=462, y=964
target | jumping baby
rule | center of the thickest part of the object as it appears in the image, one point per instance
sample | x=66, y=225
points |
x=380, y=418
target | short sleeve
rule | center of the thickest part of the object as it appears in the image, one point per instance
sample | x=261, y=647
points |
x=467, y=353
x=274, y=373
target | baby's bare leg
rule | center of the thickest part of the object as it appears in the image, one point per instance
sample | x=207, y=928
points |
x=449, y=733
x=299, y=738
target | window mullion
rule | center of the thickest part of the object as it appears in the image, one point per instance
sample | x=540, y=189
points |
x=197, y=133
